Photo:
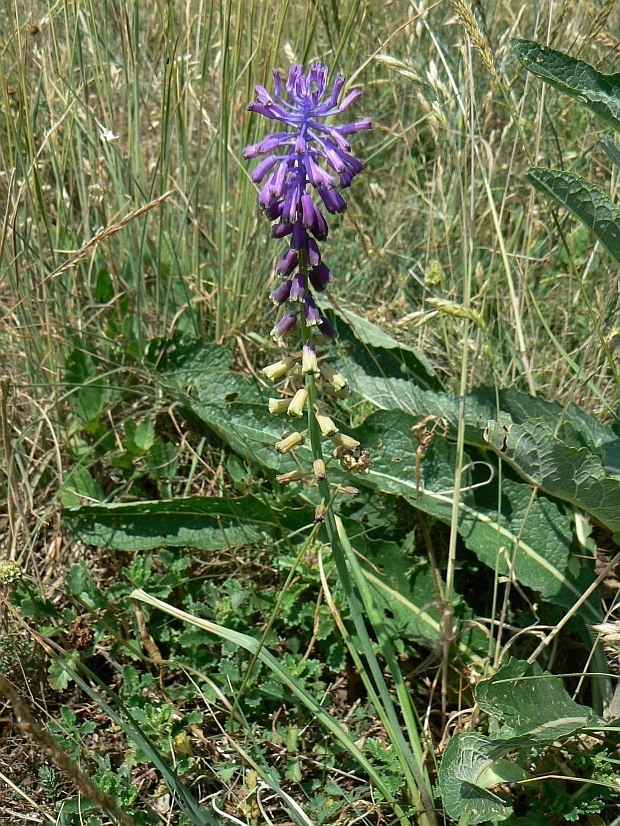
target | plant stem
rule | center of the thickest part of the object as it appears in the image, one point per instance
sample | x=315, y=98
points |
x=359, y=601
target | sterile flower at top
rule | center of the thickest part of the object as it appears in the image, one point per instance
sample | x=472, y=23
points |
x=309, y=142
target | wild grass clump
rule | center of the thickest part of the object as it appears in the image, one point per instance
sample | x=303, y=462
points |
x=309, y=580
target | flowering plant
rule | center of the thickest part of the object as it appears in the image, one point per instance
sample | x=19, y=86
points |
x=302, y=171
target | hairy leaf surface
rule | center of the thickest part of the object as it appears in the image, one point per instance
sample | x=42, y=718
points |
x=598, y=91
x=587, y=202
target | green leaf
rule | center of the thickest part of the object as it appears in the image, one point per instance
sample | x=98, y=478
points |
x=198, y=522
x=144, y=435
x=532, y=703
x=388, y=390
x=465, y=759
x=89, y=391
x=161, y=460
x=531, y=542
x=561, y=463
x=380, y=353
x=406, y=592
x=201, y=372
x=611, y=149
x=78, y=485
x=57, y=675
x=587, y=202
x=599, y=92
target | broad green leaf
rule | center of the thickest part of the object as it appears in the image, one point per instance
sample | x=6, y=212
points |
x=532, y=703
x=599, y=92
x=536, y=710
x=587, y=202
x=466, y=758
x=202, y=372
x=252, y=432
x=560, y=463
x=410, y=598
x=531, y=542
x=384, y=386
x=232, y=406
x=378, y=351
x=199, y=522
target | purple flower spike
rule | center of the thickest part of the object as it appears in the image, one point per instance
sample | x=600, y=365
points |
x=284, y=327
x=281, y=293
x=305, y=164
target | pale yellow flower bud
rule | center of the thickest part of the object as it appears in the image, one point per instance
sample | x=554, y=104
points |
x=328, y=428
x=291, y=476
x=319, y=470
x=347, y=442
x=277, y=406
x=293, y=440
x=348, y=489
x=279, y=369
x=332, y=376
x=309, y=364
x=297, y=405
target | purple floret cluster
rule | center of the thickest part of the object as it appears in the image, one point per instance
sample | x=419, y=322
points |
x=312, y=158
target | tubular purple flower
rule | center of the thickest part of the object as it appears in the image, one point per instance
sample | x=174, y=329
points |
x=284, y=327
x=287, y=263
x=281, y=230
x=313, y=317
x=313, y=252
x=319, y=227
x=316, y=175
x=300, y=236
x=291, y=201
x=298, y=287
x=351, y=128
x=263, y=168
x=281, y=292
x=333, y=200
x=320, y=277
x=307, y=210
x=325, y=329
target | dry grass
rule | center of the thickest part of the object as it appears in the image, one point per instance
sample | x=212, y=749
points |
x=128, y=214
